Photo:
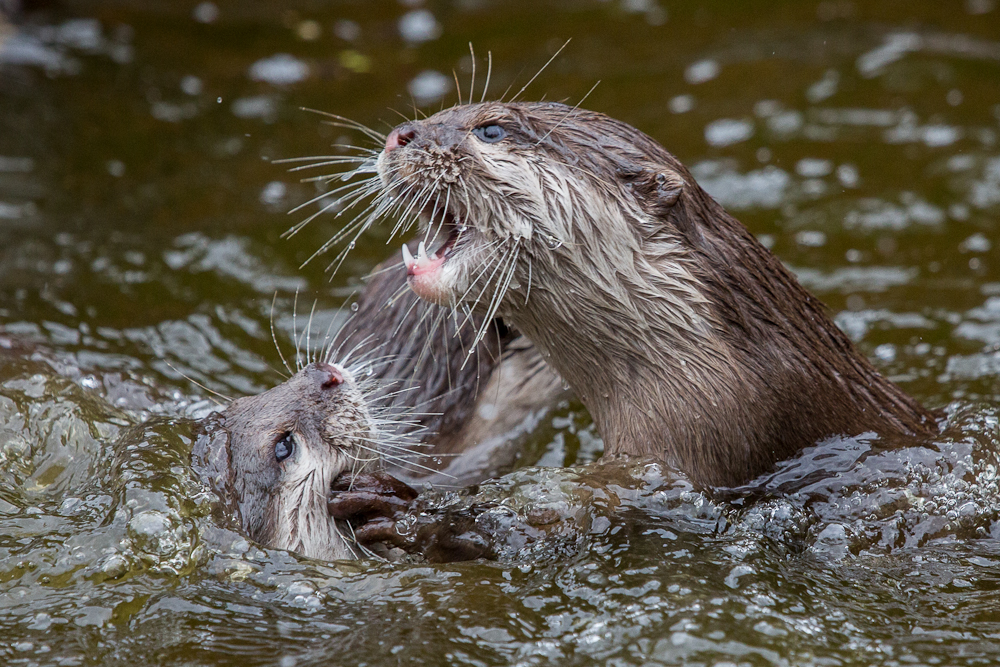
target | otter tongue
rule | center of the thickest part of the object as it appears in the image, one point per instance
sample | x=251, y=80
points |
x=423, y=263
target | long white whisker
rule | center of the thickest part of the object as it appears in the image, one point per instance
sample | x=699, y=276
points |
x=295, y=333
x=498, y=295
x=274, y=337
x=475, y=282
x=548, y=62
x=568, y=113
x=489, y=71
x=328, y=193
x=308, y=331
x=324, y=161
x=528, y=291
x=472, y=83
x=349, y=124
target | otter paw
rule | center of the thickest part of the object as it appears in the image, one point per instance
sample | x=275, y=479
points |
x=371, y=503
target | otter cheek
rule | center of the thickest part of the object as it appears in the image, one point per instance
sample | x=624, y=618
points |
x=382, y=168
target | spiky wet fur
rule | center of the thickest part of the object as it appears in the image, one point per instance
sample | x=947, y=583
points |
x=426, y=364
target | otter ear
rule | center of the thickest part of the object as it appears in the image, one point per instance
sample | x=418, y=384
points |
x=669, y=185
x=656, y=189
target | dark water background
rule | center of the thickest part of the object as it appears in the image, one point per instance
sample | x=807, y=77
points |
x=140, y=223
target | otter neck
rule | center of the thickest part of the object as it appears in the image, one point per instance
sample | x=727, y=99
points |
x=671, y=390
x=701, y=348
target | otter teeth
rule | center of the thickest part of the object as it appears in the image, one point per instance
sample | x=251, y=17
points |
x=422, y=253
x=422, y=259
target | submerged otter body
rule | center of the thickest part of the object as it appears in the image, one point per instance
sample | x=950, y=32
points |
x=682, y=334
x=470, y=398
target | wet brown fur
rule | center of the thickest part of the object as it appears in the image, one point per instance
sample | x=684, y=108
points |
x=284, y=504
x=426, y=369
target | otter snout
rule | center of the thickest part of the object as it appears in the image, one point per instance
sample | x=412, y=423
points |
x=287, y=446
x=400, y=136
x=439, y=139
x=329, y=375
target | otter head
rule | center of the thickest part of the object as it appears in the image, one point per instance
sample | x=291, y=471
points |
x=526, y=204
x=565, y=223
x=286, y=447
x=504, y=187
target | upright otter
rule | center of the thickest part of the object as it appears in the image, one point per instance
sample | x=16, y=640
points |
x=682, y=334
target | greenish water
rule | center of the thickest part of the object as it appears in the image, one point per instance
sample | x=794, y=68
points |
x=140, y=223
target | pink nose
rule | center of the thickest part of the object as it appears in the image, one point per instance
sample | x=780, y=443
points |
x=334, y=377
x=400, y=136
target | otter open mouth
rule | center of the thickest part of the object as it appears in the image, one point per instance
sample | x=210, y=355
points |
x=441, y=224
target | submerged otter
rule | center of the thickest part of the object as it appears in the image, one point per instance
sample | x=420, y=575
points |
x=303, y=462
x=682, y=334
x=277, y=455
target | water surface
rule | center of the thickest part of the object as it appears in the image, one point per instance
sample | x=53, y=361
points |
x=141, y=215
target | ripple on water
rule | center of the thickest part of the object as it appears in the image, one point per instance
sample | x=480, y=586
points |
x=111, y=553
x=760, y=188
x=600, y=562
x=981, y=323
x=853, y=279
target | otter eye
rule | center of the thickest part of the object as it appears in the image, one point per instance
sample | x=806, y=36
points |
x=490, y=133
x=284, y=447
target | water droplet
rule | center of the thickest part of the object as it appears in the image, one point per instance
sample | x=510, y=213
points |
x=354, y=307
x=553, y=242
x=350, y=246
x=565, y=385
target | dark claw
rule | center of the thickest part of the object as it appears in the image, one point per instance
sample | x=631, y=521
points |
x=375, y=482
x=380, y=530
x=443, y=543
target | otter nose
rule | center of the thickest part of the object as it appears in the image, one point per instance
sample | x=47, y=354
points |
x=400, y=136
x=332, y=376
